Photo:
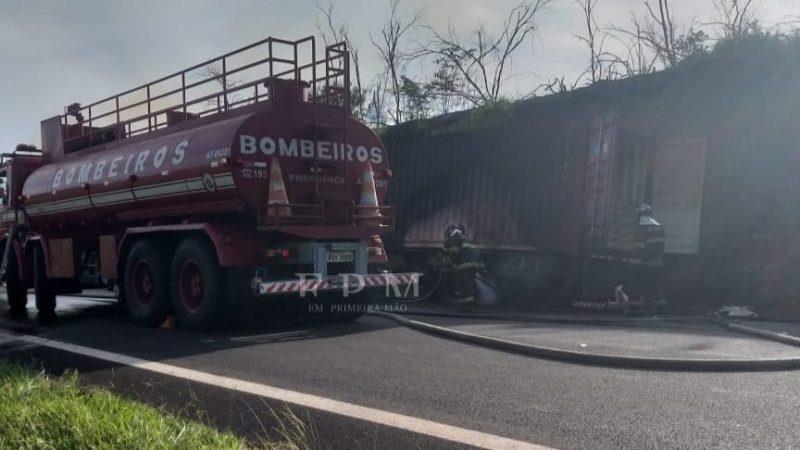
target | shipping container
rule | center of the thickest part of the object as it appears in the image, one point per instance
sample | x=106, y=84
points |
x=555, y=182
x=508, y=190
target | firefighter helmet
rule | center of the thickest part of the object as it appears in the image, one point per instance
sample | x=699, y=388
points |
x=453, y=228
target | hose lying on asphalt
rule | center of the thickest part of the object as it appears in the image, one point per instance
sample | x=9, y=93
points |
x=596, y=359
x=766, y=334
x=629, y=321
x=643, y=321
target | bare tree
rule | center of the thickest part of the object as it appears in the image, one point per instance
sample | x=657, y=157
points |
x=654, y=39
x=654, y=31
x=376, y=105
x=332, y=33
x=658, y=31
x=394, y=56
x=484, y=61
x=736, y=18
x=636, y=58
x=213, y=72
x=594, y=46
x=556, y=85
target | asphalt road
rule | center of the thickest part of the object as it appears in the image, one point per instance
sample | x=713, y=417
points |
x=377, y=363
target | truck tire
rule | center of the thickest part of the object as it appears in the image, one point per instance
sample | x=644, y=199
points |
x=15, y=290
x=43, y=288
x=146, y=283
x=197, y=286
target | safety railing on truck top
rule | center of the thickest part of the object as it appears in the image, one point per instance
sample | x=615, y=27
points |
x=236, y=79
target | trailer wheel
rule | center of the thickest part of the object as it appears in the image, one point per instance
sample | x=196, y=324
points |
x=43, y=288
x=15, y=290
x=146, y=283
x=197, y=285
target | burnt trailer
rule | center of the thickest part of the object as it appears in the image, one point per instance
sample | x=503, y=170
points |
x=516, y=193
x=549, y=187
x=243, y=178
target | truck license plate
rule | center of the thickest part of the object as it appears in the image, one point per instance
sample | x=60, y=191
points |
x=341, y=256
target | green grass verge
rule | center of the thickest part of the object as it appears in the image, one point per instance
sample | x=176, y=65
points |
x=41, y=412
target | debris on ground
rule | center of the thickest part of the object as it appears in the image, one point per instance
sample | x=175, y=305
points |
x=736, y=312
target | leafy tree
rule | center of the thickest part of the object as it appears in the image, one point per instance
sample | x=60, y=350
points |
x=416, y=99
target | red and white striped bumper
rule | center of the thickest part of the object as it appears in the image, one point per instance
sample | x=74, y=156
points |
x=354, y=283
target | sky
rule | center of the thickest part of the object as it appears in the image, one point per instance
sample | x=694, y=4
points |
x=56, y=52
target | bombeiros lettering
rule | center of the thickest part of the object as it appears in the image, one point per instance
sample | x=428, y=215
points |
x=305, y=148
x=144, y=159
x=103, y=168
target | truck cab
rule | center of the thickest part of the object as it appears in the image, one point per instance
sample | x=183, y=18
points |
x=14, y=169
x=16, y=260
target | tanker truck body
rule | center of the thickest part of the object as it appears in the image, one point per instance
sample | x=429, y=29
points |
x=238, y=188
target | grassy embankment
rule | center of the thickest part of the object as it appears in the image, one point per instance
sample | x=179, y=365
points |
x=42, y=412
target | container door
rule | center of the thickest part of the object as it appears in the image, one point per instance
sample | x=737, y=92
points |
x=599, y=173
x=679, y=168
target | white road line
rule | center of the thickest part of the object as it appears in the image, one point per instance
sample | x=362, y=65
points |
x=378, y=416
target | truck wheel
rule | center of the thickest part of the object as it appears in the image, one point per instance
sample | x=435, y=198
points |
x=197, y=286
x=15, y=290
x=43, y=288
x=146, y=283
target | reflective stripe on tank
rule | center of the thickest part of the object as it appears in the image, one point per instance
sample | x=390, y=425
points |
x=151, y=191
x=108, y=198
x=224, y=180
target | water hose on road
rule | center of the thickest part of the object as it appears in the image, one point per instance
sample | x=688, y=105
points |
x=599, y=359
x=627, y=321
x=766, y=334
x=430, y=293
x=631, y=321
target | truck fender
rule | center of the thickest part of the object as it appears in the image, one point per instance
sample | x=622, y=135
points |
x=234, y=246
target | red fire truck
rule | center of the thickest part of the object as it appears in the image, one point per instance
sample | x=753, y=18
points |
x=241, y=177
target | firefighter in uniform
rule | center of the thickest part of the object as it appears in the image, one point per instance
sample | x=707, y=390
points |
x=462, y=263
x=647, y=269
